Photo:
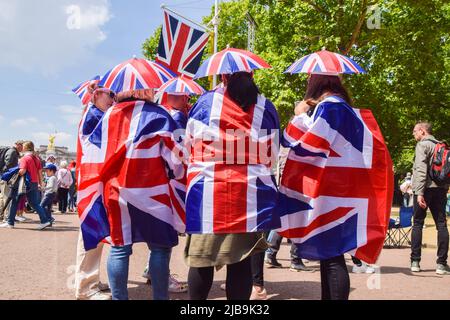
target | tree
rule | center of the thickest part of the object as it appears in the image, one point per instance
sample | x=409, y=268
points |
x=407, y=59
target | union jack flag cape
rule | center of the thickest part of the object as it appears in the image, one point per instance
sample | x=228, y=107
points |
x=231, y=190
x=337, y=185
x=131, y=178
x=181, y=45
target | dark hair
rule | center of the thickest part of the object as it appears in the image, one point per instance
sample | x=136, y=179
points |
x=428, y=127
x=242, y=89
x=318, y=84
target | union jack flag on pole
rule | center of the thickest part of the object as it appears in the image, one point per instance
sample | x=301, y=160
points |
x=337, y=185
x=181, y=45
x=131, y=177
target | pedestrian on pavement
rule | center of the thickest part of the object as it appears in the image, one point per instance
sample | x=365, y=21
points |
x=73, y=187
x=427, y=194
x=233, y=106
x=29, y=165
x=9, y=158
x=50, y=190
x=87, y=270
x=406, y=189
x=64, y=182
x=160, y=236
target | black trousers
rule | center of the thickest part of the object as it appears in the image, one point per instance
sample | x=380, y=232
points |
x=258, y=269
x=238, y=285
x=62, y=199
x=436, y=198
x=335, y=280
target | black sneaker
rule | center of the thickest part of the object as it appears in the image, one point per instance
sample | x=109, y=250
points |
x=272, y=262
x=298, y=266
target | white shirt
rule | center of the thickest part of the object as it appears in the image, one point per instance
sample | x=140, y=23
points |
x=64, y=178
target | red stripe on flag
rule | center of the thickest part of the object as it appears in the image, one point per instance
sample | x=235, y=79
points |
x=194, y=54
x=230, y=198
x=178, y=50
x=294, y=132
x=320, y=221
x=168, y=30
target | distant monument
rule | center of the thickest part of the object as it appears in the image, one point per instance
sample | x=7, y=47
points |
x=51, y=146
x=59, y=153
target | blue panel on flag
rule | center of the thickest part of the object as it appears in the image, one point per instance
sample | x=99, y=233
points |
x=194, y=208
x=267, y=198
x=331, y=243
x=146, y=228
x=95, y=226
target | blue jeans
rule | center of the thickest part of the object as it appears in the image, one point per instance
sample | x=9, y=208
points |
x=33, y=197
x=274, y=240
x=159, y=269
x=118, y=264
x=47, y=202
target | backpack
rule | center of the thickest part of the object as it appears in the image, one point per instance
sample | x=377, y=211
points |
x=3, y=151
x=440, y=164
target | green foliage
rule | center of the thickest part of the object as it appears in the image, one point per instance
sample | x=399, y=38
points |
x=407, y=59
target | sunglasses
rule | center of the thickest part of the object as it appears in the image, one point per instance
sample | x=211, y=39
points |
x=110, y=93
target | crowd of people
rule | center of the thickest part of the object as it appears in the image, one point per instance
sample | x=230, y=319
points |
x=32, y=184
x=243, y=254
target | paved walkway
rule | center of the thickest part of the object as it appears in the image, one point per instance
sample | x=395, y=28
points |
x=40, y=265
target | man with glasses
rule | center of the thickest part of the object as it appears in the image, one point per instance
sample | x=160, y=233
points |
x=427, y=194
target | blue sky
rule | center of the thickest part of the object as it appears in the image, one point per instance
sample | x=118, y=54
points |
x=45, y=51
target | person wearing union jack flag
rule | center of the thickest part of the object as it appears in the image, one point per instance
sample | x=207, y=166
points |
x=133, y=200
x=336, y=188
x=87, y=270
x=231, y=193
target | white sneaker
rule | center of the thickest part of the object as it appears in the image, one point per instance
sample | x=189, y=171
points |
x=6, y=225
x=223, y=286
x=258, y=295
x=359, y=269
x=370, y=269
x=21, y=219
x=176, y=286
x=97, y=296
x=42, y=226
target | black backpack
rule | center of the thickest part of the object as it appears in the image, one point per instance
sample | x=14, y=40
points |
x=3, y=151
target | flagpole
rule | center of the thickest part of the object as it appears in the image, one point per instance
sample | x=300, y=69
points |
x=163, y=6
x=216, y=36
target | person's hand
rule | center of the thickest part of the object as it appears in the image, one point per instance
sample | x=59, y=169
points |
x=421, y=201
x=304, y=106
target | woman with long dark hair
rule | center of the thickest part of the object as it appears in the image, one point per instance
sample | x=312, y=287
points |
x=232, y=195
x=326, y=91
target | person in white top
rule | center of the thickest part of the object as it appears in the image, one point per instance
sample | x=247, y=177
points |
x=50, y=190
x=64, y=182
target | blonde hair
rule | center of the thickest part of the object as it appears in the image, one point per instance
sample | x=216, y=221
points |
x=28, y=146
x=63, y=164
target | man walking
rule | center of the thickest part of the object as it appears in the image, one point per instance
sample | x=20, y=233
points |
x=427, y=194
x=9, y=158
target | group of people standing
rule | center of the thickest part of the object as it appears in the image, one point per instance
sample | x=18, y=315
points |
x=243, y=253
x=29, y=181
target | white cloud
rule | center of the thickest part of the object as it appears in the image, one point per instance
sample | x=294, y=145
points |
x=70, y=114
x=24, y=122
x=49, y=35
